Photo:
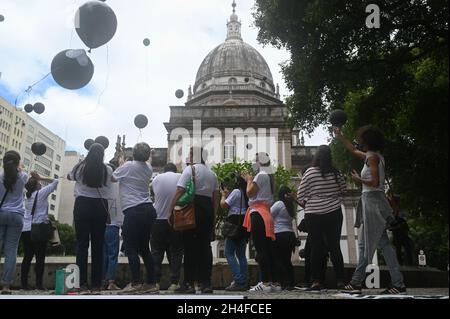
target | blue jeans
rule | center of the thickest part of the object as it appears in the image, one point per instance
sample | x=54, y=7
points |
x=11, y=225
x=233, y=249
x=389, y=256
x=111, y=252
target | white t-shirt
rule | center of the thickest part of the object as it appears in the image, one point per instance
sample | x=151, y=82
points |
x=366, y=174
x=262, y=179
x=14, y=199
x=105, y=192
x=236, y=202
x=281, y=218
x=205, y=180
x=134, y=183
x=115, y=207
x=164, y=187
x=41, y=210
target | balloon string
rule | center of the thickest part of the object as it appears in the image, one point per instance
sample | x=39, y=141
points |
x=140, y=136
x=30, y=88
x=106, y=84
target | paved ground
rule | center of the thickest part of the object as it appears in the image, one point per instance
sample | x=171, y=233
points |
x=331, y=294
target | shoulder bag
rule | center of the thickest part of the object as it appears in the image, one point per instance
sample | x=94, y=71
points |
x=231, y=230
x=184, y=215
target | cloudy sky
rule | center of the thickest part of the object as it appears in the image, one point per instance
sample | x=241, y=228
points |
x=129, y=78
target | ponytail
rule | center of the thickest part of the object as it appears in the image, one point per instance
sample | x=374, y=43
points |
x=11, y=161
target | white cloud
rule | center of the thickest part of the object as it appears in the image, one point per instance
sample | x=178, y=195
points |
x=141, y=79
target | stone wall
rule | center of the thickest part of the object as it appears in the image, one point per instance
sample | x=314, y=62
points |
x=414, y=277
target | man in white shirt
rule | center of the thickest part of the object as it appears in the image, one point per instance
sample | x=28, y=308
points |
x=164, y=239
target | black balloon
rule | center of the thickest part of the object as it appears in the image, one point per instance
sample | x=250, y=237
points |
x=179, y=94
x=29, y=108
x=146, y=42
x=39, y=108
x=88, y=143
x=141, y=121
x=338, y=118
x=72, y=69
x=97, y=24
x=102, y=141
x=38, y=148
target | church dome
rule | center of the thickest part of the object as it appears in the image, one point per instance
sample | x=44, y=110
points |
x=234, y=58
x=235, y=68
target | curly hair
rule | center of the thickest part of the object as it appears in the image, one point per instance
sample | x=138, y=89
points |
x=372, y=138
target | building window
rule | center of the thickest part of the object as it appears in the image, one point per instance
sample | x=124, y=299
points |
x=46, y=139
x=52, y=207
x=232, y=81
x=44, y=161
x=57, y=167
x=228, y=151
x=263, y=84
x=42, y=170
x=53, y=196
x=58, y=158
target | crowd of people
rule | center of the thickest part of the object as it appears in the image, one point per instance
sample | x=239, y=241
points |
x=117, y=196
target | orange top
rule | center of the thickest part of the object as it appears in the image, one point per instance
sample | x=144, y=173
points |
x=262, y=209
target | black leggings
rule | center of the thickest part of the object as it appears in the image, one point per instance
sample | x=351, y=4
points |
x=264, y=249
x=283, y=247
x=325, y=227
x=31, y=249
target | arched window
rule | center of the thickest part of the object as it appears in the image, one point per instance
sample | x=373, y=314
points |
x=232, y=81
x=263, y=85
x=228, y=151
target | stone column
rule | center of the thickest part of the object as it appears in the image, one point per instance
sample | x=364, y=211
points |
x=350, y=201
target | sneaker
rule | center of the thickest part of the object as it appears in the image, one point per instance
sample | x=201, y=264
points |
x=112, y=287
x=302, y=286
x=186, y=289
x=6, y=291
x=276, y=287
x=173, y=287
x=149, y=289
x=261, y=287
x=394, y=291
x=236, y=287
x=131, y=289
x=352, y=289
x=315, y=287
x=206, y=289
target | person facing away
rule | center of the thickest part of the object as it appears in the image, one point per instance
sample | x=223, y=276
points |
x=283, y=213
x=235, y=248
x=374, y=213
x=134, y=179
x=259, y=222
x=92, y=190
x=112, y=237
x=198, y=258
x=320, y=191
x=37, y=197
x=12, y=210
x=165, y=240
x=400, y=232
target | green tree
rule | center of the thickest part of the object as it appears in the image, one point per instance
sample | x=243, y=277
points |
x=226, y=173
x=395, y=77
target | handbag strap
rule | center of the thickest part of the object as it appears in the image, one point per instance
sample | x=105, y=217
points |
x=34, y=204
x=193, y=174
x=108, y=218
x=4, y=197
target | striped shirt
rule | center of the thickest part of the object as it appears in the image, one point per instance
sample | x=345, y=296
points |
x=320, y=195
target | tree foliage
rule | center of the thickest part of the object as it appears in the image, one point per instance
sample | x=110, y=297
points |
x=395, y=77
